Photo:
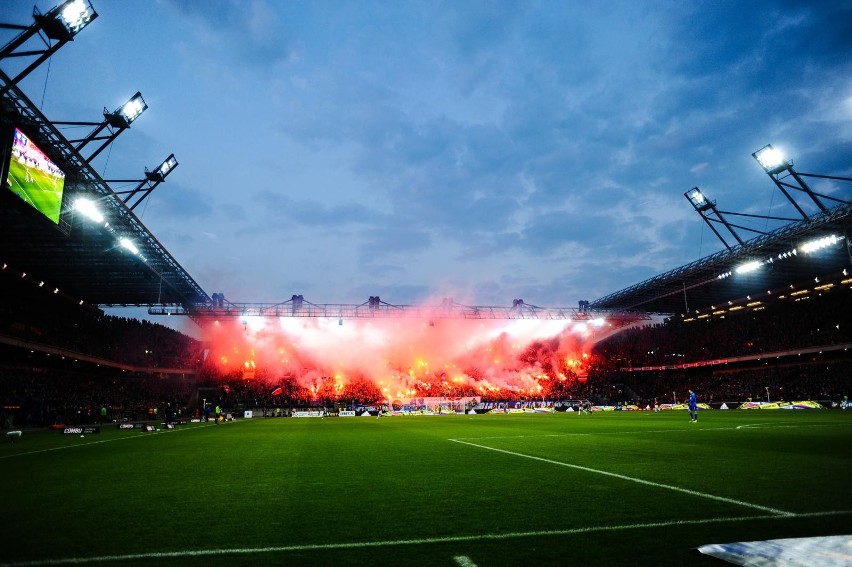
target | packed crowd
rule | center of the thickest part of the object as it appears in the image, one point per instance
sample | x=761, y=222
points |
x=786, y=324
x=42, y=318
x=46, y=396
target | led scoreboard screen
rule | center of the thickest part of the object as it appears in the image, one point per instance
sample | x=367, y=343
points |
x=33, y=177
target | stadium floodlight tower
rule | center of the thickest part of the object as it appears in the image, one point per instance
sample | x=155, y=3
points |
x=114, y=123
x=702, y=205
x=147, y=185
x=60, y=25
x=707, y=209
x=779, y=169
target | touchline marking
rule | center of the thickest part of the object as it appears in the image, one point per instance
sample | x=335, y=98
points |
x=464, y=561
x=388, y=543
x=633, y=479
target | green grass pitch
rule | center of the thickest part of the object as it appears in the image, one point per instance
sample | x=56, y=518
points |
x=617, y=488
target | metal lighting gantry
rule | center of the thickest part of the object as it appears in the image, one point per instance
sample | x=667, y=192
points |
x=815, y=250
x=780, y=171
x=147, y=185
x=375, y=308
x=101, y=253
x=114, y=123
x=59, y=25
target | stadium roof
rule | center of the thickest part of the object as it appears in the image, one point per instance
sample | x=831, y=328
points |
x=81, y=258
x=774, y=264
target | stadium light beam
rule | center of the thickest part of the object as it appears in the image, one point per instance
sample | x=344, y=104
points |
x=65, y=21
x=771, y=160
x=88, y=209
x=697, y=199
x=128, y=244
x=748, y=267
x=123, y=116
x=162, y=170
x=819, y=243
x=774, y=164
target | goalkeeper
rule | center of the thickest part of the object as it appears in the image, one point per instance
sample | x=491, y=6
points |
x=693, y=406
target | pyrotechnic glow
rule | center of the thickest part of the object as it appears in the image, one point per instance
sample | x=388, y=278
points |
x=405, y=357
x=254, y=322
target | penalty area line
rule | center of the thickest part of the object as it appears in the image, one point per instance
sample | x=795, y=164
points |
x=633, y=479
x=404, y=542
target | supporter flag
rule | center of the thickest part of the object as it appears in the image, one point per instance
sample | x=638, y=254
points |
x=277, y=391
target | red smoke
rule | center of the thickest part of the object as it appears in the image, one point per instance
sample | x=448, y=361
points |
x=404, y=357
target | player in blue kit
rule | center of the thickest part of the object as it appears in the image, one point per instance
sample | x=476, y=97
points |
x=693, y=406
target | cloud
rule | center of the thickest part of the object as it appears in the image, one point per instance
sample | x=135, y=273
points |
x=486, y=150
x=250, y=32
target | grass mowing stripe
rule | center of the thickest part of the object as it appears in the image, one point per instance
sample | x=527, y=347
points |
x=645, y=432
x=144, y=435
x=633, y=479
x=424, y=541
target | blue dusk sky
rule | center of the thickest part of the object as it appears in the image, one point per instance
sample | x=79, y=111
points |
x=484, y=151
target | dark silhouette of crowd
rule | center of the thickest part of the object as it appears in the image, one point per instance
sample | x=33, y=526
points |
x=790, y=349
x=42, y=318
x=64, y=361
x=822, y=320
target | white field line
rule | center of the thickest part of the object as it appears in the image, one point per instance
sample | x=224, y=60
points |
x=632, y=479
x=402, y=542
x=464, y=561
x=646, y=431
x=143, y=435
x=780, y=426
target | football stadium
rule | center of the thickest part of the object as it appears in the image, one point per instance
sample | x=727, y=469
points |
x=692, y=418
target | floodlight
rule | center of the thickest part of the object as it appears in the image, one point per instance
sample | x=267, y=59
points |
x=60, y=24
x=124, y=115
x=771, y=160
x=702, y=205
x=116, y=121
x=89, y=209
x=66, y=20
x=698, y=200
x=747, y=267
x=162, y=170
x=695, y=196
x=818, y=244
x=128, y=244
